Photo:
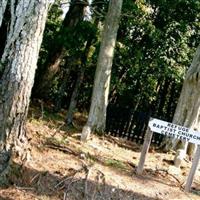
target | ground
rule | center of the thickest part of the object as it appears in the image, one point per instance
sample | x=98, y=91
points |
x=61, y=167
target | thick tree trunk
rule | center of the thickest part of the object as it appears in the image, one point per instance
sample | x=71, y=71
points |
x=19, y=64
x=3, y=5
x=45, y=81
x=188, y=109
x=97, y=115
x=4, y=24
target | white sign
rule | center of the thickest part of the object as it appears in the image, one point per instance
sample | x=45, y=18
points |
x=174, y=131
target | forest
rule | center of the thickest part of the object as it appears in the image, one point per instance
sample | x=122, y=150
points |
x=80, y=81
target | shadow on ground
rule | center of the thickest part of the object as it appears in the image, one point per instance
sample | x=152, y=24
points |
x=56, y=186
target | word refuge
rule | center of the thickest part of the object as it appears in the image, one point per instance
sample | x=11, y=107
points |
x=175, y=131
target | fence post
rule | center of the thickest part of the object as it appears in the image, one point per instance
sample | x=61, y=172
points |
x=145, y=149
x=193, y=169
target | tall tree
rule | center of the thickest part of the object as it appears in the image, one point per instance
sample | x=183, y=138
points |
x=18, y=65
x=72, y=18
x=188, y=109
x=79, y=80
x=80, y=75
x=97, y=114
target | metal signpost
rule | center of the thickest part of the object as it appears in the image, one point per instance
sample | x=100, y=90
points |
x=174, y=131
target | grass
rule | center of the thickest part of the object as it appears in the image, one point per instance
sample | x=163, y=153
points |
x=53, y=116
x=115, y=164
x=56, y=141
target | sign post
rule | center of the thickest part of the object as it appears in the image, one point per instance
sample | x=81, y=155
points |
x=145, y=149
x=173, y=131
x=193, y=169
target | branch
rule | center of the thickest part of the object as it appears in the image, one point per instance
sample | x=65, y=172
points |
x=62, y=148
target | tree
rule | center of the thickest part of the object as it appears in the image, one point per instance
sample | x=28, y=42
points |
x=72, y=19
x=51, y=33
x=188, y=109
x=84, y=60
x=17, y=71
x=157, y=39
x=3, y=4
x=79, y=80
x=97, y=114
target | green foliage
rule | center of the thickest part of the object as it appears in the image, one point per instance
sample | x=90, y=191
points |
x=156, y=42
x=55, y=141
x=50, y=44
x=75, y=38
x=115, y=164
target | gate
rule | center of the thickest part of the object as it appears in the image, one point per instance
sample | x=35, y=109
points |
x=129, y=124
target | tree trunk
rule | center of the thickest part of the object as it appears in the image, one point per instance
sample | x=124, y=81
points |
x=45, y=81
x=171, y=102
x=19, y=62
x=72, y=18
x=3, y=5
x=74, y=97
x=163, y=96
x=97, y=115
x=62, y=89
x=5, y=23
x=80, y=77
x=113, y=92
x=188, y=109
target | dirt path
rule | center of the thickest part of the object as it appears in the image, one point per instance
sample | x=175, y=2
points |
x=63, y=168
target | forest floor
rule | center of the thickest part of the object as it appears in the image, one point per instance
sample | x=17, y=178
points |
x=63, y=168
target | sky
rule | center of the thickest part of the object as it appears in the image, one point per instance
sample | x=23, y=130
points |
x=65, y=8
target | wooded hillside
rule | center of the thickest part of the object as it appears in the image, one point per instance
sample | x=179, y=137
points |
x=113, y=63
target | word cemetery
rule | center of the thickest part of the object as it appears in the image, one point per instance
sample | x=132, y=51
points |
x=173, y=131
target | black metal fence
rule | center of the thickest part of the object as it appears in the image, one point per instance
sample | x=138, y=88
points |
x=129, y=124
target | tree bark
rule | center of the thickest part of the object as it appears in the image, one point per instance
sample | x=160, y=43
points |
x=163, y=96
x=171, y=101
x=72, y=18
x=19, y=62
x=122, y=77
x=62, y=89
x=3, y=5
x=74, y=97
x=80, y=77
x=188, y=109
x=97, y=114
